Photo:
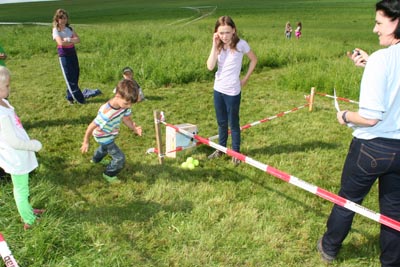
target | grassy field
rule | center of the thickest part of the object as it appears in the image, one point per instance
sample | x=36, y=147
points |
x=161, y=215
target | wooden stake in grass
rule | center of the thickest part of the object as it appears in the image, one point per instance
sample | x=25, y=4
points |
x=311, y=99
x=157, y=117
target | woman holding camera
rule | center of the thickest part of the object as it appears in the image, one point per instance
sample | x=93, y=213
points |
x=374, y=152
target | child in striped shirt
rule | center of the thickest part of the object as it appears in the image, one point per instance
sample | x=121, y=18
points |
x=105, y=128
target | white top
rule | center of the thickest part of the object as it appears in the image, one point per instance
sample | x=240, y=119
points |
x=67, y=32
x=16, y=149
x=380, y=95
x=227, y=77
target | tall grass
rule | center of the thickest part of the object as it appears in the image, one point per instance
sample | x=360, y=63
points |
x=161, y=215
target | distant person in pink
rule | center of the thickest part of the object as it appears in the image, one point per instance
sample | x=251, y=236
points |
x=298, y=30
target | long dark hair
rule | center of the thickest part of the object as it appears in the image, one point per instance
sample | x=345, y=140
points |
x=227, y=21
x=391, y=9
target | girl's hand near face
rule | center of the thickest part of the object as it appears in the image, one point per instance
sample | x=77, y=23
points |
x=216, y=39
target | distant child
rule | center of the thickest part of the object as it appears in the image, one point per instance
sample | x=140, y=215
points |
x=66, y=38
x=105, y=128
x=127, y=73
x=17, y=153
x=298, y=30
x=288, y=30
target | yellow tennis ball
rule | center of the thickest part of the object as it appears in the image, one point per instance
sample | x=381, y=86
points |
x=184, y=165
x=189, y=160
x=190, y=166
x=195, y=162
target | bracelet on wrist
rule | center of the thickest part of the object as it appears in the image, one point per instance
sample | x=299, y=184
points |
x=344, y=117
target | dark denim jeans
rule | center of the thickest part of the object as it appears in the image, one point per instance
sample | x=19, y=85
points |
x=227, y=111
x=118, y=158
x=70, y=69
x=367, y=161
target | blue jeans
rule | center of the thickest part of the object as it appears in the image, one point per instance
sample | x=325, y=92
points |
x=70, y=70
x=227, y=111
x=367, y=161
x=118, y=158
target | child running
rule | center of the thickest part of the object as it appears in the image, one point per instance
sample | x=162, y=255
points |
x=17, y=153
x=105, y=128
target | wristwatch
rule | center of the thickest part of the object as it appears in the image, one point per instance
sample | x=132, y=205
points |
x=344, y=117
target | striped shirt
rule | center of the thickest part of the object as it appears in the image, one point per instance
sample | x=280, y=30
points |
x=108, y=121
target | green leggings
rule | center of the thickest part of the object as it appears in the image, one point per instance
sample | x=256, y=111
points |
x=21, y=196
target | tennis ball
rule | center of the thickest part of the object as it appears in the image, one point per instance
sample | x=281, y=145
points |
x=190, y=166
x=195, y=162
x=184, y=165
x=189, y=160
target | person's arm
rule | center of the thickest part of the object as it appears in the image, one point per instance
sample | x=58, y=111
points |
x=127, y=120
x=75, y=38
x=252, y=66
x=345, y=117
x=86, y=138
x=66, y=41
x=213, y=57
x=10, y=137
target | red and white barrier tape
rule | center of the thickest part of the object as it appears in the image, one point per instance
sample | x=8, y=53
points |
x=244, y=127
x=297, y=182
x=6, y=254
x=338, y=98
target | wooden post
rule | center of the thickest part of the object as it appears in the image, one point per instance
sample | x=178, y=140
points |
x=311, y=100
x=158, y=136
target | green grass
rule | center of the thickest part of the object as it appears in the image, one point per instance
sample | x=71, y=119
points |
x=161, y=215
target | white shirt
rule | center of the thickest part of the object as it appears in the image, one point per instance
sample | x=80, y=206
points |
x=227, y=77
x=15, y=157
x=380, y=95
x=67, y=32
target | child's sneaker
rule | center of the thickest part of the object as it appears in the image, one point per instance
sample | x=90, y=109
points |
x=111, y=179
x=38, y=212
x=27, y=226
x=235, y=161
x=215, y=154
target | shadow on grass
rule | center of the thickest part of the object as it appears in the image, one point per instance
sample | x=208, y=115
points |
x=153, y=98
x=58, y=122
x=138, y=211
x=289, y=148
